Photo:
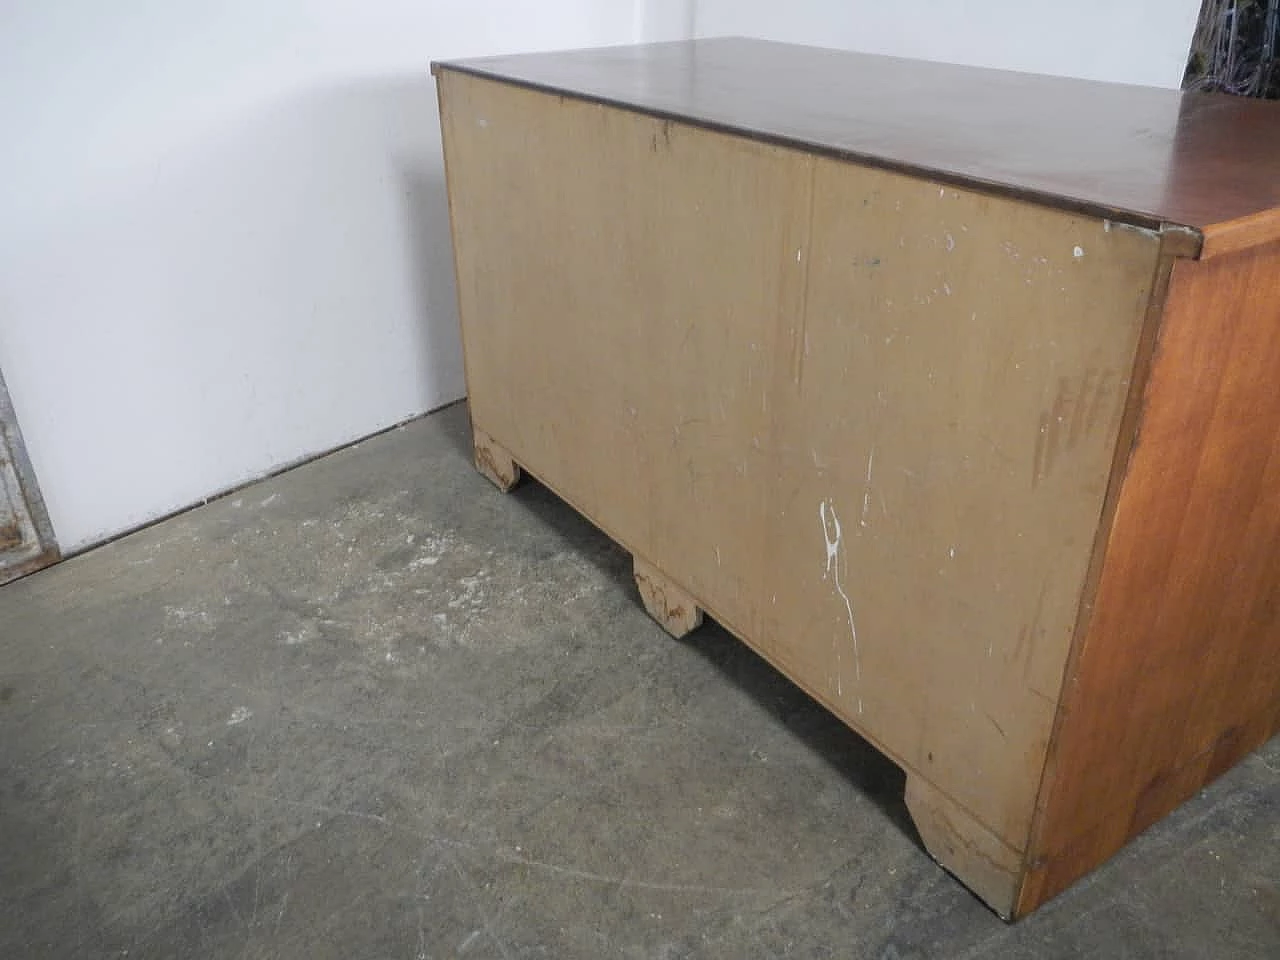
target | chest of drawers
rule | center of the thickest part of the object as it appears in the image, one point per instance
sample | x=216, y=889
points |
x=952, y=392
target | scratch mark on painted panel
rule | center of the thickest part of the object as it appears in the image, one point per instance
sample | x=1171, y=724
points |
x=866, y=494
x=800, y=346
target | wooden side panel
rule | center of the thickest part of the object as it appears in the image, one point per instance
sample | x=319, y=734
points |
x=1179, y=673
x=863, y=420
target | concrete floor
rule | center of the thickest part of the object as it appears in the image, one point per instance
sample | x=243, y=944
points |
x=374, y=708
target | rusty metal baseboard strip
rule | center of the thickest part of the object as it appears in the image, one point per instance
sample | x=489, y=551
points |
x=27, y=542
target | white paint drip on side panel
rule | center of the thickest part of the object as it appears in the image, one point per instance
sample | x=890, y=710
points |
x=832, y=535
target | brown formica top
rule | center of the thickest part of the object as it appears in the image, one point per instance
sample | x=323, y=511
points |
x=1141, y=155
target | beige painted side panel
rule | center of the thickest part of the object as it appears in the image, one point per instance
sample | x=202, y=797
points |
x=867, y=422
x=945, y=436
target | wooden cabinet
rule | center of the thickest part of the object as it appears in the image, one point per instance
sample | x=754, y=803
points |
x=952, y=392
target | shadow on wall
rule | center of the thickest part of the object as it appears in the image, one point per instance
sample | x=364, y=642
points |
x=430, y=247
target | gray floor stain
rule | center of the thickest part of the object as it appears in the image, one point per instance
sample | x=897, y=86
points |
x=374, y=708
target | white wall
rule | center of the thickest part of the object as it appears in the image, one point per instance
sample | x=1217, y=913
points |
x=223, y=228
x=1125, y=41
x=223, y=232
x=658, y=20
